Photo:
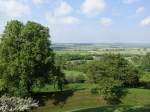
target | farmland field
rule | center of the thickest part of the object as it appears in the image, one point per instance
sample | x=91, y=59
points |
x=101, y=48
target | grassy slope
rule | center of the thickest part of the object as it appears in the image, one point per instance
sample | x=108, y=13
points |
x=79, y=99
x=117, y=109
x=84, y=99
x=137, y=97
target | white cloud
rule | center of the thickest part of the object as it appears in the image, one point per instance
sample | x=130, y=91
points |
x=140, y=10
x=63, y=9
x=129, y=1
x=41, y=2
x=61, y=15
x=64, y=20
x=38, y=1
x=105, y=21
x=70, y=20
x=13, y=8
x=146, y=21
x=93, y=7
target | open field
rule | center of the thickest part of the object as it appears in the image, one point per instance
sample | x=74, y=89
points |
x=102, y=48
x=117, y=109
x=126, y=51
x=75, y=100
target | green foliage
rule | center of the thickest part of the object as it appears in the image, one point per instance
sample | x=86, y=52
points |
x=71, y=57
x=111, y=90
x=97, y=70
x=145, y=80
x=59, y=78
x=68, y=61
x=75, y=77
x=145, y=77
x=146, y=62
x=113, y=66
x=26, y=57
x=111, y=73
x=132, y=76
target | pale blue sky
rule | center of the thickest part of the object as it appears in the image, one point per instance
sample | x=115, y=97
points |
x=84, y=20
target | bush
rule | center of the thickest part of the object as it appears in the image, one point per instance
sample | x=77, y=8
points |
x=16, y=104
x=75, y=77
x=111, y=90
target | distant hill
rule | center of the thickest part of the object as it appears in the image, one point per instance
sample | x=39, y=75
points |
x=58, y=46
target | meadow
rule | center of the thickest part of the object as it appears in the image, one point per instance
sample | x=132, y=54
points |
x=77, y=96
x=81, y=98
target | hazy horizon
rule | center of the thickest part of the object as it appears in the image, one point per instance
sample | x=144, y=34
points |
x=101, y=43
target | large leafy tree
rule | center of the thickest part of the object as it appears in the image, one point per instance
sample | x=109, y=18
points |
x=113, y=66
x=26, y=57
x=111, y=73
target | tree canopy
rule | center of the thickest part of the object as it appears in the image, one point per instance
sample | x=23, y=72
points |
x=113, y=66
x=26, y=57
x=112, y=72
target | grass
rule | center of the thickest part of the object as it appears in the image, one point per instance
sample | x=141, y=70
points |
x=72, y=73
x=73, y=86
x=117, y=109
x=75, y=100
x=137, y=97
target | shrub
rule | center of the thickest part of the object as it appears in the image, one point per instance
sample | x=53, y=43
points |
x=16, y=104
x=75, y=77
x=111, y=90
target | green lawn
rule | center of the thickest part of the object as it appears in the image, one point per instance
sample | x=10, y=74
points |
x=73, y=86
x=75, y=100
x=137, y=97
x=63, y=102
x=117, y=109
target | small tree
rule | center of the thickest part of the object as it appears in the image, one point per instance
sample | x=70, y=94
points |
x=59, y=78
x=111, y=90
x=145, y=63
x=97, y=70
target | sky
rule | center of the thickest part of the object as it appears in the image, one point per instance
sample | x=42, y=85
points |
x=84, y=21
